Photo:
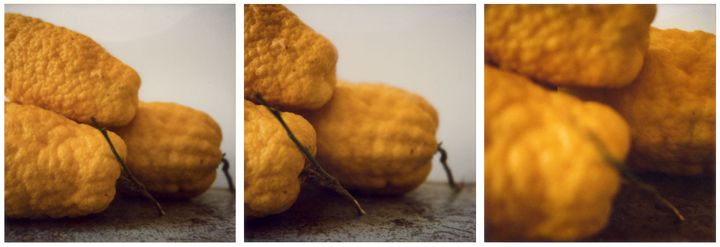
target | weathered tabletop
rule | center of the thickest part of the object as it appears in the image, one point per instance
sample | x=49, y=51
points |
x=638, y=216
x=208, y=218
x=431, y=212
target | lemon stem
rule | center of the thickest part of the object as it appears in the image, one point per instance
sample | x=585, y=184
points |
x=630, y=176
x=226, y=171
x=319, y=174
x=443, y=160
x=126, y=176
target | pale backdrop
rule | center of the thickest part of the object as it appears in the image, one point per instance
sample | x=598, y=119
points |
x=688, y=17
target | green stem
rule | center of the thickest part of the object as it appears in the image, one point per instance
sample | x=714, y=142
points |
x=139, y=186
x=335, y=184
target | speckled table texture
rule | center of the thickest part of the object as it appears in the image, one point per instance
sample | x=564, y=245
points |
x=638, y=216
x=209, y=217
x=432, y=212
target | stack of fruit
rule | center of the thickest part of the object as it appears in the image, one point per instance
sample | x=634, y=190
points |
x=553, y=161
x=373, y=138
x=57, y=82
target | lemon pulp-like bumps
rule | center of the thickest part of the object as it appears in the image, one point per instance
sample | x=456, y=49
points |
x=173, y=149
x=66, y=72
x=272, y=161
x=671, y=105
x=590, y=45
x=546, y=171
x=287, y=62
x=55, y=167
x=375, y=138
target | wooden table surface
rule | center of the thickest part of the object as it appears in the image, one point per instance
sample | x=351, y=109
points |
x=638, y=216
x=431, y=212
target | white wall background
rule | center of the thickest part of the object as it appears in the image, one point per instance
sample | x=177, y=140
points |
x=426, y=49
x=688, y=17
x=183, y=53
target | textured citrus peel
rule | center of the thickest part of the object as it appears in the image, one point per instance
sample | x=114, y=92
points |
x=126, y=176
x=173, y=149
x=544, y=178
x=670, y=106
x=66, y=72
x=376, y=138
x=286, y=61
x=56, y=167
x=591, y=45
x=316, y=172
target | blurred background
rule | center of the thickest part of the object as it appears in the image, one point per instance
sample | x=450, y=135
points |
x=183, y=53
x=426, y=49
x=688, y=17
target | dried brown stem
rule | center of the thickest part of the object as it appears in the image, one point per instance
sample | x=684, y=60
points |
x=443, y=160
x=226, y=171
x=626, y=173
x=126, y=177
x=316, y=172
